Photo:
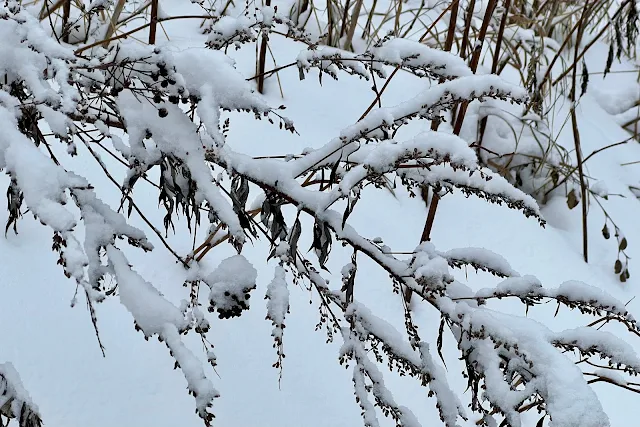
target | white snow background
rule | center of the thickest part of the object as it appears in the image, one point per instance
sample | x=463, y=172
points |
x=53, y=346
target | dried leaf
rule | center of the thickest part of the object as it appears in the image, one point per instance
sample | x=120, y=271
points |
x=584, y=79
x=617, y=267
x=610, y=55
x=439, y=342
x=572, y=200
x=334, y=169
x=293, y=238
x=623, y=244
x=347, y=212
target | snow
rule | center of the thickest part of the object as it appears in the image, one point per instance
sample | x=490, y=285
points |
x=492, y=261
x=416, y=55
x=42, y=182
x=278, y=302
x=175, y=136
x=611, y=375
x=326, y=59
x=448, y=403
x=230, y=284
x=14, y=398
x=569, y=400
x=151, y=311
x=578, y=291
x=619, y=352
x=600, y=189
x=192, y=368
x=154, y=314
x=54, y=347
x=512, y=286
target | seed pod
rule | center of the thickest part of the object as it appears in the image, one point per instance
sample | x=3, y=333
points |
x=572, y=200
x=623, y=244
x=617, y=267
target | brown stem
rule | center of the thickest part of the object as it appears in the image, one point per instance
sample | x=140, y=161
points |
x=475, y=60
x=494, y=67
x=576, y=140
x=275, y=70
x=367, y=26
x=66, y=12
x=154, y=22
x=352, y=25
x=433, y=204
x=262, y=58
x=467, y=27
x=396, y=25
x=345, y=16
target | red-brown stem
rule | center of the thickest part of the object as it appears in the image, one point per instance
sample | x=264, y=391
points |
x=154, y=22
x=475, y=60
x=345, y=16
x=433, y=205
x=494, y=68
x=467, y=27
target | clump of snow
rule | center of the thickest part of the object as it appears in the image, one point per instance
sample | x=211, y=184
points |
x=277, y=302
x=231, y=283
x=606, y=343
x=15, y=401
x=518, y=286
x=600, y=189
x=154, y=314
x=409, y=53
x=612, y=376
x=581, y=292
x=569, y=399
x=151, y=311
x=481, y=258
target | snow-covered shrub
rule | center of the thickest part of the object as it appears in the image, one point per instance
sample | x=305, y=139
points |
x=161, y=110
x=15, y=402
x=545, y=46
x=541, y=45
